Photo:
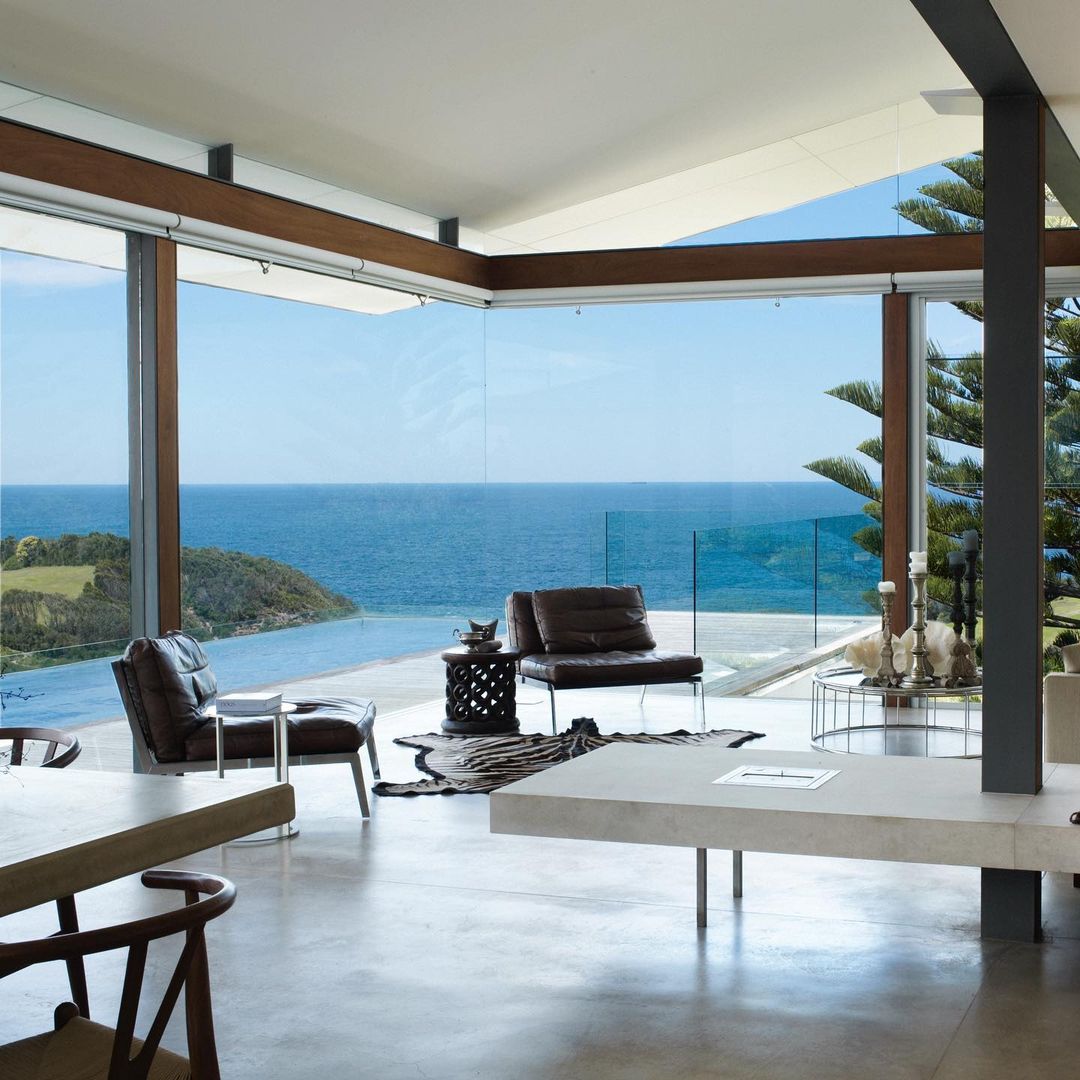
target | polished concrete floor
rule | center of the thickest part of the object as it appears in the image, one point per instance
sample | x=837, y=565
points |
x=417, y=944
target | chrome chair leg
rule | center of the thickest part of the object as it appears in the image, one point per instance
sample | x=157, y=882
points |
x=736, y=874
x=643, y=689
x=551, y=693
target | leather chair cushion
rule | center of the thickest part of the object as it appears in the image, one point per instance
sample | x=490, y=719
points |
x=170, y=682
x=619, y=668
x=601, y=618
x=330, y=725
x=521, y=623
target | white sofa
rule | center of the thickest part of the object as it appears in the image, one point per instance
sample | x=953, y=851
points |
x=1061, y=710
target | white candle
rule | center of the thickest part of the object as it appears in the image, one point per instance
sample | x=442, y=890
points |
x=886, y=587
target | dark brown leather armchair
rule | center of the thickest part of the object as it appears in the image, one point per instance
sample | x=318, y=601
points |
x=593, y=637
x=166, y=683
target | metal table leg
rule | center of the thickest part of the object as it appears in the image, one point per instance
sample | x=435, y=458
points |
x=281, y=767
x=219, y=739
x=702, y=887
x=280, y=731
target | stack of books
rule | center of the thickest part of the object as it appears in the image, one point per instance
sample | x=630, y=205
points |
x=248, y=704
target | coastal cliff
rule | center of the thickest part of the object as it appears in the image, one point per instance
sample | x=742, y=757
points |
x=72, y=594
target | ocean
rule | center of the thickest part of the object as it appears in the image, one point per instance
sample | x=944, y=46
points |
x=419, y=558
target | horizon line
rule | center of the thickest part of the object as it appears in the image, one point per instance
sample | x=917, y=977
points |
x=413, y=483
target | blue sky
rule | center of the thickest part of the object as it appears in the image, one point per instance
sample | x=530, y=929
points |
x=274, y=391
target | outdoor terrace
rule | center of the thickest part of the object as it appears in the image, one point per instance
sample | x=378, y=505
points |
x=770, y=650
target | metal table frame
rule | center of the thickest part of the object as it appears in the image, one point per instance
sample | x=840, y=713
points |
x=281, y=761
x=839, y=699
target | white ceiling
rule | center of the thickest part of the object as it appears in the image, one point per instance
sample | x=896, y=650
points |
x=543, y=126
x=1046, y=33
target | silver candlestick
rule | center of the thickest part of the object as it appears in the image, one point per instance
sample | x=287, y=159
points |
x=887, y=673
x=919, y=676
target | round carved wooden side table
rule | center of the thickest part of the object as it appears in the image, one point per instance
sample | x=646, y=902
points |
x=480, y=692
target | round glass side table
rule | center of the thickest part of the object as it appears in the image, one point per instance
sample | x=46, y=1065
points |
x=850, y=715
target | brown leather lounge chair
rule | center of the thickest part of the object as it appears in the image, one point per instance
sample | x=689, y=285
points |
x=592, y=637
x=166, y=682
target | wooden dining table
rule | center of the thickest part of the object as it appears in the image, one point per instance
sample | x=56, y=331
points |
x=65, y=831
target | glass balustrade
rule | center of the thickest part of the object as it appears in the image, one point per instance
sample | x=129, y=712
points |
x=758, y=601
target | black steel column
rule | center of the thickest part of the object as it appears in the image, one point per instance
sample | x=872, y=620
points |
x=1013, y=283
x=219, y=162
x=449, y=231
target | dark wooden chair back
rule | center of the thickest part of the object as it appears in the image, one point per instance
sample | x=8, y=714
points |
x=60, y=750
x=191, y=971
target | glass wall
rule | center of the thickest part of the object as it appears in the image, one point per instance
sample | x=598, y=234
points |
x=954, y=460
x=65, y=570
x=363, y=483
x=332, y=465
x=954, y=437
x=361, y=471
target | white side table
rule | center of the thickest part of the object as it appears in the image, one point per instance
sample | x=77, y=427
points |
x=281, y=759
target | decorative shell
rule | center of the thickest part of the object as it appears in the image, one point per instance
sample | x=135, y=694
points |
x=940, y=638
x=865, y=654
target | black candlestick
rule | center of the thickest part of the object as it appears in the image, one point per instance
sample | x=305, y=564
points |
x=956, y=572
x=971, y=557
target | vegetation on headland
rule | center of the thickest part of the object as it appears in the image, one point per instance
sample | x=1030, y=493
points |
x=47, y=618
x=954, y=419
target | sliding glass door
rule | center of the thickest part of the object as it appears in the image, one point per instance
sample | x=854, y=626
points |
x=64, y=559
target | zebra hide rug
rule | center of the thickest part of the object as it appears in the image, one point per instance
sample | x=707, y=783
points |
x=478, y=764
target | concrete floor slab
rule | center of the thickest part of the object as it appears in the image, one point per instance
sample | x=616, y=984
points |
x=417, y=944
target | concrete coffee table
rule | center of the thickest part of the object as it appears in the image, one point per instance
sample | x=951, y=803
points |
x=898, y=809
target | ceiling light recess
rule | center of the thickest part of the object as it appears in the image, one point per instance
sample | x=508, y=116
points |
x=961, y=102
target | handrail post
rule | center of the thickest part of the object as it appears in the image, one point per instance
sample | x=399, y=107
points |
x=694, y=600
x=607, y=549
x=816, y=524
